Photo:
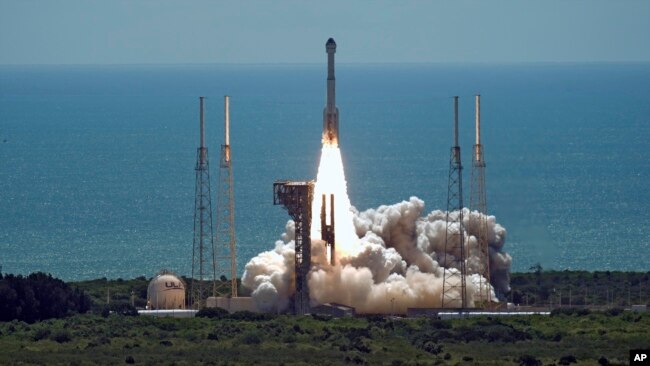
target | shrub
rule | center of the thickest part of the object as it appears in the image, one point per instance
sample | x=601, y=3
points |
x=439, y=324
x=354, y=333
x=322, y=317
x=251, y=338
x=168, y=325
x=563, y=311
x=528, y=360
x=432, y=348
x=614, y=311
x=571, y=311
x=327, y=333
x=250, y=316
x=362, y=346
x=218, y=313
x=556, y=337
x=357, y=360
x=124, y=309
x=129, y=360
x=41, y=333
x=290, y=338
x=566, y=360
x=62, y=336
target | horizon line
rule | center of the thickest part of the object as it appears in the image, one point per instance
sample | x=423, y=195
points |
x=338, y=63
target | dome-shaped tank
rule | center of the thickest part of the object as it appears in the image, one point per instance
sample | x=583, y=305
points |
x=166, y=291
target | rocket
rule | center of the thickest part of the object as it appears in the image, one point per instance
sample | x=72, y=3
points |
x=331, y=113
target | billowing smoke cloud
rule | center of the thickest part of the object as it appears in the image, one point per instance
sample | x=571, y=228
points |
x=400, y=263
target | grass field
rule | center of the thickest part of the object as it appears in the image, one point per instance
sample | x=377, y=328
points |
x=242, y=340
x=569, y=336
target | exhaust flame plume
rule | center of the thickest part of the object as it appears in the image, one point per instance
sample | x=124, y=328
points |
x=331, y=180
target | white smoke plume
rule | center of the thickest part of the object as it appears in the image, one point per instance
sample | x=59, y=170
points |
x=399, y=263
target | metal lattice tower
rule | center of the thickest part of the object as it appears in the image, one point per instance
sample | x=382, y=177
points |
x=203, y=264
x=225, y=233
x=478, y=202
x=454, y=288
x=296, y=197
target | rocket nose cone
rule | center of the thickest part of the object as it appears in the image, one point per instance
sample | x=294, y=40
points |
x=330, y=46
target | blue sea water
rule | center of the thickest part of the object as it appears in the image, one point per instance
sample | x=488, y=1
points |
x=97, y=162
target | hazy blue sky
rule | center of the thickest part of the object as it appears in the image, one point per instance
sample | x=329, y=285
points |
x=286, y=31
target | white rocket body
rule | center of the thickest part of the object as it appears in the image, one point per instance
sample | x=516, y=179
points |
x=331, y=113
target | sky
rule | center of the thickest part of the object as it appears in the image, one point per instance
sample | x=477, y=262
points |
x=294, y=31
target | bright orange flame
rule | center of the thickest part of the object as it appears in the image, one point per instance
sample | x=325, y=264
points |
x=331, y=180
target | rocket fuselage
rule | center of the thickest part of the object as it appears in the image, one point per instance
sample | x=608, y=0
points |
x=331, y=113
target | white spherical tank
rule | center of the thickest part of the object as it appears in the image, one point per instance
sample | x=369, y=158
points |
x=166, y=291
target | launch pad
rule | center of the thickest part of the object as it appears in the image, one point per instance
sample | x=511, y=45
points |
x=277, y=284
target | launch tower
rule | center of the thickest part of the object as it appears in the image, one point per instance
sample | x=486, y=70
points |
x=454, y=288
x=203, y=255
x=478, y=202
x=296, y=197
x=225, y=233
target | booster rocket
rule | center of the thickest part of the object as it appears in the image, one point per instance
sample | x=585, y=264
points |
x=331, y=113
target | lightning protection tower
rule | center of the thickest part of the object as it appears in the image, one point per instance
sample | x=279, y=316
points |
x=454, y=288
x=203, y=263
x=478, y=202
x=225, y=237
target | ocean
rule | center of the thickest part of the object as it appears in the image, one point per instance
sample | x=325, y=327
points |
x=97, y=162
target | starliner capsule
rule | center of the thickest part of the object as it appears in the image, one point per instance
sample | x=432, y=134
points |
x=331, y=113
